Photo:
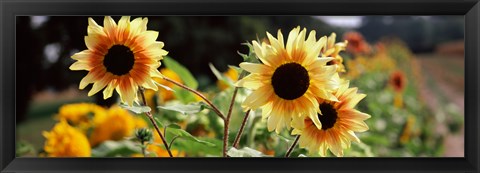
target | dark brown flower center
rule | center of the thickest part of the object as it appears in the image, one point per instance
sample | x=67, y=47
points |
x=290, y=81
x=328, y=117
x=119, y=60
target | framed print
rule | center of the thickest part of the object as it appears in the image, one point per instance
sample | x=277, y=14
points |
x=280, y=86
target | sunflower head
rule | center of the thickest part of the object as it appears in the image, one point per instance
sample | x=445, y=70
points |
x=288, y=78
x=123, y=56
x=66, y=141
x=339, y=120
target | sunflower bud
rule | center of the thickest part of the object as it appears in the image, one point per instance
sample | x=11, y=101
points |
x=143, y=134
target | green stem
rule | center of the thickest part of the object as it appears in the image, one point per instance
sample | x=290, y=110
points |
x=215, y=109
x=240, y=131
x=150, y=117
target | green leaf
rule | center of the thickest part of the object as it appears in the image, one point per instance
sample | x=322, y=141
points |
x=244, y=152
x=182, y=134
x=136, y=109
x=188, y=109
x=116, y=148
x=220, y=76
x=197, y=149
x=181, y=71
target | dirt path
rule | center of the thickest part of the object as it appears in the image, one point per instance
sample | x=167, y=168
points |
x=447, y=73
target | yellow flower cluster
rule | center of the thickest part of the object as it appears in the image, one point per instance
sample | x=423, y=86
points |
x=83, y=125
x=66, y=141
x=297, y=85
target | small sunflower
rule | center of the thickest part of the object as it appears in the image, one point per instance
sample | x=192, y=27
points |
x=289, y=78
x=121, y=57
x=339, y=122
x=66, y=141
x=333, y=49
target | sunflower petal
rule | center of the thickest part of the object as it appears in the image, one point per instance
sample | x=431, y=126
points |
x=256, y=68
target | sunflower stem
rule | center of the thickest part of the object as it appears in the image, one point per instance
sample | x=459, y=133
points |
x=292, y=147
x=215, y=109
x=144, y=149
x=227, y=120
x=150, y=117
x=240, y=131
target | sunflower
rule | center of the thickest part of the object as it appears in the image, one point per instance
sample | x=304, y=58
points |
x=288, y=79
x=118, y=124
x=66, y=141
x=82, y=115
x=155, y=98
x=333, y=49
x=339, y=122
x=121, y=57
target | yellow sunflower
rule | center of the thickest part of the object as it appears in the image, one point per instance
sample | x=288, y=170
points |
x=339, y=122
x=66, y=141
x=121, y=57
x=82, y=115
x=333, y=49
x=118, y=124
x=289, y=78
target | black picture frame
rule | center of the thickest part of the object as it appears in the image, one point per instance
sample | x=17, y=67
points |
x=9, y=9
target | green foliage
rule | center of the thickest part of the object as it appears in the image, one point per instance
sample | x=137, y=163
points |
x=123, y=148
x=181, y=71
x=136, y=108
x=188, y=109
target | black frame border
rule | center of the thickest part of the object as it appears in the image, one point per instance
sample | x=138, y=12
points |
x=9, y=9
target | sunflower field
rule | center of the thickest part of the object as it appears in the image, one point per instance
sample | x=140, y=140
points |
x=300, y=92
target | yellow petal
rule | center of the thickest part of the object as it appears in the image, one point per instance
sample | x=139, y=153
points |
x=110, y=27
x=80, y=65
x=251, y=81
x=256, y=68
x=107, y=93
x=89, y=78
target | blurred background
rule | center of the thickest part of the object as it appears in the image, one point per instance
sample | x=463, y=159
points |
x=423, y=55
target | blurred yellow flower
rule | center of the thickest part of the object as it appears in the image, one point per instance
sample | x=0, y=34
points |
x=66, y=141
x=158, y=149
x=154, y=98
x=407, y=130
x=118, y=124
x=82, y=115
x=230, y=74
x=333, y=49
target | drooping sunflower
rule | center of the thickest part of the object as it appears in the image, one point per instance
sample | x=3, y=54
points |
x=333, y=50
x=121, y=57
x=288, y=78
x=339, y=120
